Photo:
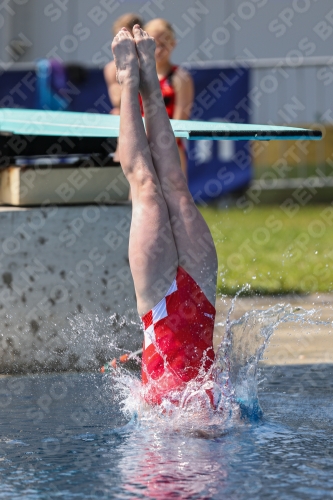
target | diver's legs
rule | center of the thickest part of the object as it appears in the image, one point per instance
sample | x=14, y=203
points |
x=152, y=251
x=195, y=246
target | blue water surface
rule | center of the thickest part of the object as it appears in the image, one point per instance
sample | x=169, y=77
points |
x=64, y=436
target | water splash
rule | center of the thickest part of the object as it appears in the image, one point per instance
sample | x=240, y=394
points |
x=243, y=346
x=233, y=378
x=91, y=341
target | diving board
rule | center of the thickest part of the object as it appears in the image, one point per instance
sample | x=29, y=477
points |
x=25, y=132
x=32, y=141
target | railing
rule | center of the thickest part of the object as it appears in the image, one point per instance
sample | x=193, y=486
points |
x=294, y=90
x=289, y=90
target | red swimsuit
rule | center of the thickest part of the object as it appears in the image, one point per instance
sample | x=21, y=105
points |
x=168, y=93
x=178, y=339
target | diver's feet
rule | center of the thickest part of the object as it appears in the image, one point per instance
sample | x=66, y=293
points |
x=145, y=46
x=126, y=59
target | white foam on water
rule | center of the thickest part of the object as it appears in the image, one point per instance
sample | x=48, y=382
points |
x=233, y=378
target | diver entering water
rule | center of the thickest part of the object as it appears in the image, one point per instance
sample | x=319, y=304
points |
x=171, y=251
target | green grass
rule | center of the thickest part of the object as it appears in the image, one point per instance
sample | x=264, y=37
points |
x=294, y=172
x=271, y=251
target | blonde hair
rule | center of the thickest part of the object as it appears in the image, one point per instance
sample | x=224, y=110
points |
x=127, y=20
x=158, y=22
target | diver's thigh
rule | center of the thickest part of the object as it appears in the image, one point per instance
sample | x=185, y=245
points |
x=194, y=242
x=152, y=251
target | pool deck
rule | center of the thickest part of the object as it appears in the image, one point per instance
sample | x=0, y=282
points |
x=291, y=343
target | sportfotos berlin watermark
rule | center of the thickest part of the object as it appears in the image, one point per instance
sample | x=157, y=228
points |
x=268, y=85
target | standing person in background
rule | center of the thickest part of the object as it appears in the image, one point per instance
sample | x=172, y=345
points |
x=127, y=20
x=175, y=82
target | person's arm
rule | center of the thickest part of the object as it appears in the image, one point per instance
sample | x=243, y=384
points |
x=184, y=90
x=113, y=86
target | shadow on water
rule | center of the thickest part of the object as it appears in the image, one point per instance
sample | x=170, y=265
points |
x=86, y=435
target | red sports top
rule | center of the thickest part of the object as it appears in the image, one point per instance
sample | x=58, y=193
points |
x=168, y=93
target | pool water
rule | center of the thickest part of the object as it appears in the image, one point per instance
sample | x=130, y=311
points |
x=86, y=436
x=64, y=436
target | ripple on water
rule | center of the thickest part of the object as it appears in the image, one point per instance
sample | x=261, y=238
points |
x=91, y=441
